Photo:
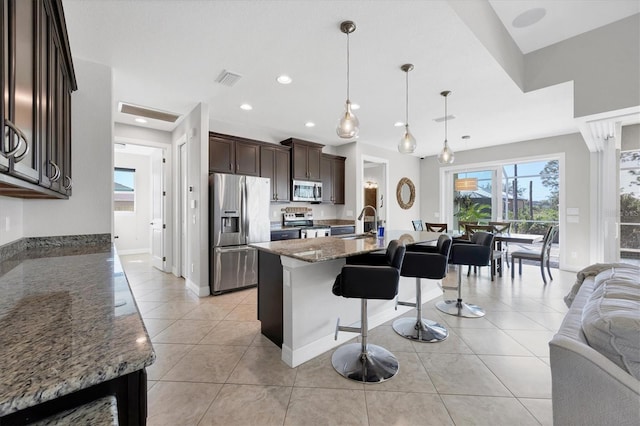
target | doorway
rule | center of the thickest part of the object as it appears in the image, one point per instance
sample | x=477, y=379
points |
x=629, y=206
x=140, y=201
x=374, y=190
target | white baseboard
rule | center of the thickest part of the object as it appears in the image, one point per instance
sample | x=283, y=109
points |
x=199, y=291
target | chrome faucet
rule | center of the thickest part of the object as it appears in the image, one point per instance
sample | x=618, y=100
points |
x=373, y=230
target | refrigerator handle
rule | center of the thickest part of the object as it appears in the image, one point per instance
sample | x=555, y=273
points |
x=245, y=215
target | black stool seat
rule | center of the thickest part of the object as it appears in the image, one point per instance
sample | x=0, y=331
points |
x=430, y=262
x=365, y=362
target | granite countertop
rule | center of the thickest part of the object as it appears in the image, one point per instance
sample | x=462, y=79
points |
x=329, y=248
x=68, y=321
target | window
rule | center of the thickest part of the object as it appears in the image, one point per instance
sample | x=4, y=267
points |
x=630, y=204
x=124, y=193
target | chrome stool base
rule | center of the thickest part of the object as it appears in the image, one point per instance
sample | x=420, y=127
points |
x=460, y=309
x=373, y=366
x=422, y=330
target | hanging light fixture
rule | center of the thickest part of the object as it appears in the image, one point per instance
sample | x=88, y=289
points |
x=407, y=144
x=348, y=126
x=446, y=155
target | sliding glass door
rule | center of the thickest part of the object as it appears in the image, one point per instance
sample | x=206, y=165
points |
x=474, y=196
x=630, y=206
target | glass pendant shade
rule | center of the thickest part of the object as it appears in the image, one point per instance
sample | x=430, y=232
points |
x=446, y=155
x=407, y=144
x=348, y=126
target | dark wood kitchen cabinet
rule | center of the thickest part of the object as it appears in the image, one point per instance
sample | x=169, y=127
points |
x=37, y=82
x=229, y=154
x=274, y=164
x=332, y=173
x=305, y=159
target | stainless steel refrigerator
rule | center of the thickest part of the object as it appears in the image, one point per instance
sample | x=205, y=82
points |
x=239, y=215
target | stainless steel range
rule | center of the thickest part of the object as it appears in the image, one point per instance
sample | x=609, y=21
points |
x=303, y=219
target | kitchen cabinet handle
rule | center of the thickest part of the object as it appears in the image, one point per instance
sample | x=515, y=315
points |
x=19, y=158
x=11, y=153
x=56, y=174
x=68, y=187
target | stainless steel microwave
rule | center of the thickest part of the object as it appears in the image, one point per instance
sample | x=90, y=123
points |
x=307, y=191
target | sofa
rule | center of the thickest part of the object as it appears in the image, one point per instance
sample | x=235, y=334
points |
x=595, y=356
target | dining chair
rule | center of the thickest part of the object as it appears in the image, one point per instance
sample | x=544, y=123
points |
x=435, y=227
x=496, y=255
x=503, y=228
x=541, y=255
x=417, y=225
x=462, y=226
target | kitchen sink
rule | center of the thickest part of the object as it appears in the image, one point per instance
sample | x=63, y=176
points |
x=358, y=236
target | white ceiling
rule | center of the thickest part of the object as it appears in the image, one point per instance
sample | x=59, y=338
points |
x=167, y=54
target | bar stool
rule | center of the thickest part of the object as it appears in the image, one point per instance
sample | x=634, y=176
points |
x=476, y=253
x=430, y=263
x=364, y=362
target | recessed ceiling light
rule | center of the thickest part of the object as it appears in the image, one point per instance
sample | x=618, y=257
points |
x=529, y=17
x=398, y=124
x=310, y=124
x=466, y=137
x=140, y=120
x=355, y=106
x=246, y=107
x=284, y=79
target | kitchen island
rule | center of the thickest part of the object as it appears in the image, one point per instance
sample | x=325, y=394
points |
x=296, y=306
x=70, y=333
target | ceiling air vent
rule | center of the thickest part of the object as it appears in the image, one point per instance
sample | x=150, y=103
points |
x=228, y=78
x=441, y=119
x=141, y=111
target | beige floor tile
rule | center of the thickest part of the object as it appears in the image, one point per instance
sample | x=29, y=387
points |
x=261, y=340
x=452, y=321
x=145, y=307
x=172, y=403
x=168, y=295
x=185, y=331
x=526, y=377
x=462, y=375
x=385, y=336
x=243, y=313
x=246, y=405
x=541, y=409
x=536, y=341
x=234, y=333
x=167, y=355
x=319, y=407
x=155, y=326
x=484, y=410
x=492, y=342
x=509, y=320
x=550, y=320
x=206, y=363
x=251, y=297
x=210, y=311
x=262, y=366
x=411, y=377
x=453, y=344
x=150, y=384
x=232, y=298
x=405, y=409
x=171, y=310
x=319, y=373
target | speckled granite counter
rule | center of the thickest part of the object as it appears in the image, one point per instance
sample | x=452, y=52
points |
x=68, y=322
x=328, y=248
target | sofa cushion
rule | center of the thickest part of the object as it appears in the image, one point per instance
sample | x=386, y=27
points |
x=611, y=319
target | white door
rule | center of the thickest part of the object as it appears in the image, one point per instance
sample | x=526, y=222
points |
x=183, y=209
x=157, y=209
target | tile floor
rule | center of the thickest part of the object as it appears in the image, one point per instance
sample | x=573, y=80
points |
x=214, y=368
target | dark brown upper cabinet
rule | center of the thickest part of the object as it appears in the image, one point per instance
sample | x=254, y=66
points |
x=332, y=173
x=37, y=82
x=229, y=154
x=305, y=159
x=274, y=164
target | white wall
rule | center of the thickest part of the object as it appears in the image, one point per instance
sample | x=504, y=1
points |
x=195, y=127
x=11, y=226
x=89, y=209
x=133, y=133
x=132, y=228
x=575, y=236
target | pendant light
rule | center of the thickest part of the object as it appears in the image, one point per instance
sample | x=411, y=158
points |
x=407, y=144
x=348, y=126
x=446, y=155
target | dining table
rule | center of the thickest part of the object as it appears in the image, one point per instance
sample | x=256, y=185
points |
x=508, y=237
